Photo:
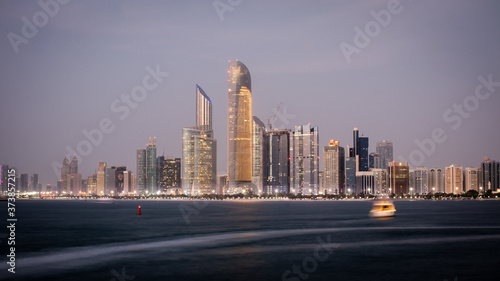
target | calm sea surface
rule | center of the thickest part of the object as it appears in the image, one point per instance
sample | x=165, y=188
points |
x=253, y=240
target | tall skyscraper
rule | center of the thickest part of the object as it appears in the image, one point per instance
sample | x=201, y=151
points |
x=259, y=152
x=350, y=172
x=110, y=175
x=398, y=177
x=333, y=168
x=239, y=132
x=4, y=171
x=73, y=166
x=169, y=174
x=64, y=175
x=34, y=183
x=101, y=178
x=304, y=159
x=490, y=174
x=277, y=161
x=74, y=184
x=454, y=179
x=151, y=166
x=419, y=182
x=129, y=187
x=23, y=183
x=141, y=171
x=362, y=151
x=385, y=149
x=199, y=150
x=471, y=178
x=435, y=180
x=92, y=184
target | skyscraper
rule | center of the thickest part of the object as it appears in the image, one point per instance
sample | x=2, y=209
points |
x=64, y=175
x=490, y=174
x=333, y=168
x=374, y=161
x=398, y=177
x=239, y=132
x=304, y=159
x=110, y=175
x=277, y=161
x=471, y=179
x=199, y=150
x=151, y=166
x=384, y=149
x=141, y=171
x=419, y=181
x=101, y=178
x=259, y=153
x=454, y=179
x=73, y=166
x=435, y=180
x=350, y=172
x=169, y=174
x=362, y=151
x=92, y=184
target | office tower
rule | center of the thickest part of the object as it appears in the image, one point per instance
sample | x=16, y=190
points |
x=110, y=175
x=333, y=168
x=365, y=182
x=454, y=179
x=304, y=159
x=119, y=180
x=23, y=183
x=362, y=151
x=222, y=184
x=355, y=142
x=73, y=166
x=379, y=181
x=74, y=184
x=384, y=149
x=350, y=175
x=34, y=184
x=277, y=161
x=374, y=161
x=471, y=179
x=151, y=166
x=169, y=174
x=141, y=171
x=129, y=183
x=199, y=150
x=435, y=180
x=398, y=177
x=490, y=174
x=92, y=184
x=64, y=175
x=420, y=181
x=239, y=129
x=101, y=178
x=259, y=152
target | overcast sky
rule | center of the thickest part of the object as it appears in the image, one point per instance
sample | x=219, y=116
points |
x=401, y=85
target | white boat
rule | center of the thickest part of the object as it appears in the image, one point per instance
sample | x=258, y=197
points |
x=382, y=208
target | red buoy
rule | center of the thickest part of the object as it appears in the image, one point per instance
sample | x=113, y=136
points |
x=139, y=212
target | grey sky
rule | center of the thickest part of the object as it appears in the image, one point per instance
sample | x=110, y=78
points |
x=397, y=88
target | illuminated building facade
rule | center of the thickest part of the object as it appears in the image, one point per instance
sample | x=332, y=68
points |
x=454, y=179
x=277, y=162
x=141, y=171
x=399, y=176
x=239, y=129
x=259, y=155
x=304, y=160
x=333, y=168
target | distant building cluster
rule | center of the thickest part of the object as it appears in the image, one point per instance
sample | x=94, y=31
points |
x=263, y=160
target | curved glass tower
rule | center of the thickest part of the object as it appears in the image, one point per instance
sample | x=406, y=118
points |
x=239, y=128
x=203, y=109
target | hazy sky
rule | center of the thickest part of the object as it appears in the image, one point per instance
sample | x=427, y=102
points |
x=71, y=73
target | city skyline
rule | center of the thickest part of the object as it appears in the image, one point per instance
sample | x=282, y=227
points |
x=396, y=90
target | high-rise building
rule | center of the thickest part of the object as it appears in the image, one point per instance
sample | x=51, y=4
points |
x=74, y=184
x=379, y=181
x=169, y=174
x=304, y=159
x=34, y=184
x=471, y=179
x=4, y=171
x=374, y=161
x=362, y=151
x=110, y=175
x=23, y=183
x=365, y=182
x=333, y=168
x=199, y=150
x=259, y=152
x=239, y=133
x=435, y=180
x=398, y=177
x=384, y=149
x=277, y=161
x=119, y=180
x=151, y=166
x=101, y=178
x=350, y=172
x=454, y=179
x=92, y=184
x=141, y=171
x=490, y=174
x=129, y=187
x=64, y=175
x=419, y=181
x=355, y=142
x=73, y=166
